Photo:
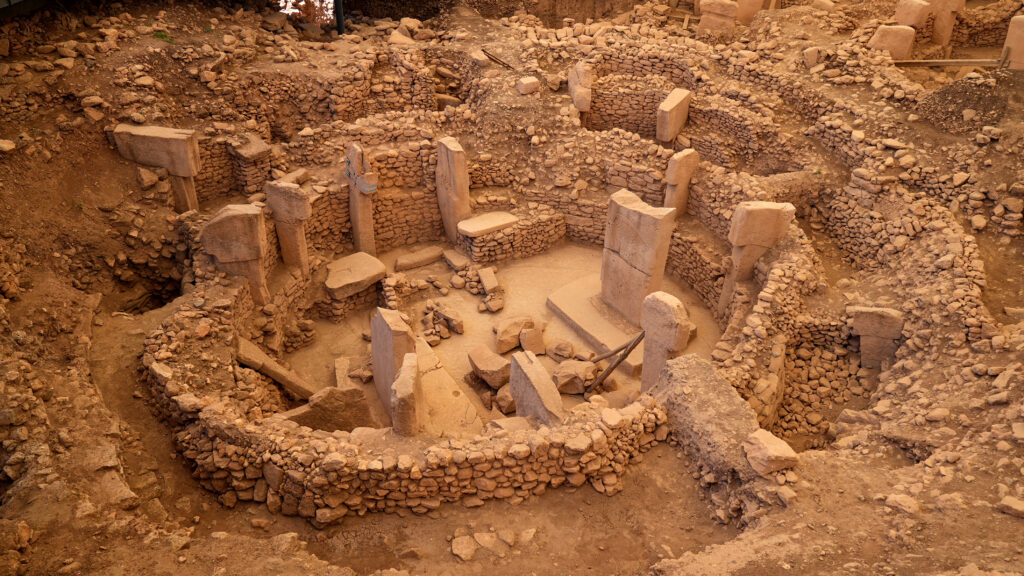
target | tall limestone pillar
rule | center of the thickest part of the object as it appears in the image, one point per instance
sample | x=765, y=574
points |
x=452, y=185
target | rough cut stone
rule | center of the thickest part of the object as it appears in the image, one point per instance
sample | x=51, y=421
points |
x=508, y=331
x=897, y=40
x=350, y=275
x=418, y=258
x=672, y=114
x=767, y=453
x=175, y=149
x=533, y=390
x=486, y=223
x=490, y=367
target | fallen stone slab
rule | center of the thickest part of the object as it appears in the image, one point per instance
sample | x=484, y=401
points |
x=352, y=274
x=489, y=280
x=572, y=376
x=250, y=355
x=533, y=390
x=767, y=453
x=418, y=258
x=490, y=367
x=456, y=260
x=486, y=223
x=333, y=409
x=706, y=412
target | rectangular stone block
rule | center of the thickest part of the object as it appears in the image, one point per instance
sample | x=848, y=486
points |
x=897, y=40
x=1015, y=42
x=534, y=391
x=486, y=223
x=391, y=340
x=672, y=114
x=912, y=12
x=352, y=274
x=452, y=177
x=624, y=288
x=760, y=223
x=175, y=149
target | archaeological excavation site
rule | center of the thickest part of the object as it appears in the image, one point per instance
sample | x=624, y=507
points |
x=523, y=287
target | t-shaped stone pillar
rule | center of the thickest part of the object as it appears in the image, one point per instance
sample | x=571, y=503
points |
x=236, y=238
x=681, y=168
x=944, y=19
x=452, y=185
x=290, y=207
x=174, y=149
x=879, y=330
x=756, y=227
x=667, y=327
x=362, y=186
x=672, y=114
x=581, y=86
x=636, y=242
x=897, y=40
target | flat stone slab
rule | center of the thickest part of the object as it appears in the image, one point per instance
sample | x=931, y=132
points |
x=352, y=274
x=486, y=223
x=579, y=304
x=420, y=257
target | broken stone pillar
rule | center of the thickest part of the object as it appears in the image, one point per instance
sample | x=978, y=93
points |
x=362, y=186
x=173, y=149
x=391, y=339
x=533, y=390
x=581, y=83
x=879, y=330
x=756, y=227
x=667, y=326
x=717, y=18
x=636, y=243
x=672, y=114
x=897, y=40
x=452, y=185
x=912, y=12
x=681, y=168
x=290, y=208
x=401, y=399
x=236, y=239
x=746, y=11
x=1015, y=43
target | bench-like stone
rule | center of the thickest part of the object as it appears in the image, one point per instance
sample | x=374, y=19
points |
x=418, y=258
x=486, y=223
x=352, y=274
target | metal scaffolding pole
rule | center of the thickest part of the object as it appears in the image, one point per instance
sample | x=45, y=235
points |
x=339, y=16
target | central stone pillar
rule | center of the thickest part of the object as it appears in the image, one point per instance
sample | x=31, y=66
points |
x=756, y=227
x=290, y=207
x=636, y=243
x=236, y=238
x=672, y=114
x=362, y=186
x=879, y=330
x=581, y=82
x=1015, y=42
x=452, y=185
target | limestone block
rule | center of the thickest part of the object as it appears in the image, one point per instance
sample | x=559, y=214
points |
x=528, y=85
x=672, y=114
x=508, y=331
x=876, y=321
x=486, y=223
x=912, y=12
x=767, y=453
x=350, y=275
x=681, y=168
x=418, y=258
x=333, y=409
x=456, y=260
x=443, y=407
x=490, y=367
x=897, y=40
x=760, y=223
x=532, y=340
x=581, y=82
x=236, y=234
x=1015, y=42
x=572, y=376
x=533, y=390
x=175, y=149
x=489, y=280
x=746, y=11
x=721, y=7
x=638, y=232
x=452, y=178
x=249, y=354
x=400, y=398
x=185, y=197
x=391, y=340
x=667, y=329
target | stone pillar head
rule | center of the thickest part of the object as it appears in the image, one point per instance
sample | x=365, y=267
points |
x=758, y=223
x=236, y=239
x=288, y=202
x=358, y=169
